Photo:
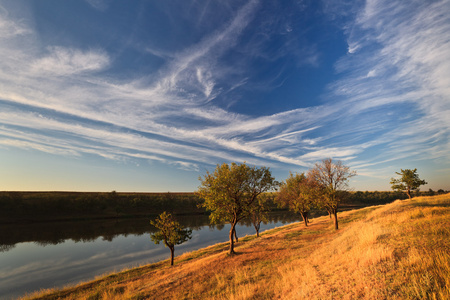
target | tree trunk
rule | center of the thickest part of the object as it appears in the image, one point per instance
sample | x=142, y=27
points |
x=335, y=219
x=257, y=226
x=305, y=218
x=232, y=233
x=408, y=192
x=235, y=235
x=172, y=254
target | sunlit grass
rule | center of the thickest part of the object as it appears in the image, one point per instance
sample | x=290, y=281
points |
x=395, y=251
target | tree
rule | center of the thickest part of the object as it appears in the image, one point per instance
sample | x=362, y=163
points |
x=408, y=182
x=331, y=179
x=170, y=231
x=298, y=194
x=231, y=190
x=259, y=211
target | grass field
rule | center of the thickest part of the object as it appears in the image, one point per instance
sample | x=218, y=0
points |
x=399, y=250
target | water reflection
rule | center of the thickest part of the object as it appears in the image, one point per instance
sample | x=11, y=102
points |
x=37, y=256
x=6, y=247
x=54, y=233
x=81, y=231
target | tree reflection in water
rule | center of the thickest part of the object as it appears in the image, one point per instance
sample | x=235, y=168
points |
x=88, y=231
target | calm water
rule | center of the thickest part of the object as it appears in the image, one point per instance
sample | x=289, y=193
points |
x=40, y=256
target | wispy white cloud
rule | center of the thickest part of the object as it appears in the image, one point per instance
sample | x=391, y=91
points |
x=204, y=78
x=201, y=58
x=353, y=47
x=16, y=142
x=66, y=61
x=11, y=28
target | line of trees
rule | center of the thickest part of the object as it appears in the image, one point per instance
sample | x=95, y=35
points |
x=234, y=192
x=50, y=206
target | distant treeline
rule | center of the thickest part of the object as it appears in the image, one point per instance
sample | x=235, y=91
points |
x=53, y=206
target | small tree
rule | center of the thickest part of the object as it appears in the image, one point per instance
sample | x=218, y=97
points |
x=408, y=182
x=231, y=191
x=331, y=179
x=259, y=212
x=298, y=194
x=171, y=232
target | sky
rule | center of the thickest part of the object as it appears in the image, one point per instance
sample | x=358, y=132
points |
x=146, y=96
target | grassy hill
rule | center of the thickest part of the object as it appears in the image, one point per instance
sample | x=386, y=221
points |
x=399, y=250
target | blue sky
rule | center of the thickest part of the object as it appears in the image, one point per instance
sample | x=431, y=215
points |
x=102, y=95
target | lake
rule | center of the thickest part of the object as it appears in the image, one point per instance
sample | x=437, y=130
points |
x=46, y=255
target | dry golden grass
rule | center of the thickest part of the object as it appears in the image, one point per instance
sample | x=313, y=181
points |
x=396, y=251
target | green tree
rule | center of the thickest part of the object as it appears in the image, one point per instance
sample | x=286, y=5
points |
x=260, y=211
x=297, y=194
x=170, y=232
x=331, y=179
x=231, y=190
x=408, y=182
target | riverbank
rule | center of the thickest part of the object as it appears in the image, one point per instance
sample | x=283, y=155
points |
x=397, y=251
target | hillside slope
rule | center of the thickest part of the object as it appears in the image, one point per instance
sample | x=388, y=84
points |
x=395, y=251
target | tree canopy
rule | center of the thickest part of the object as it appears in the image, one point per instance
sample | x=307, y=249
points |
x=408, y=182
x=231, y=190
